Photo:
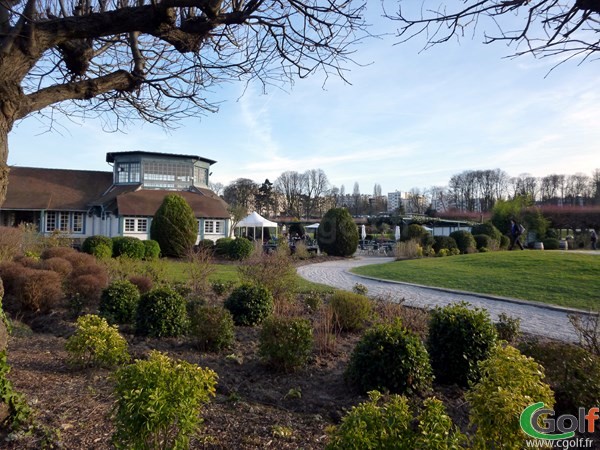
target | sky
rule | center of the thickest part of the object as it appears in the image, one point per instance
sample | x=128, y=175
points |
x=408, y=119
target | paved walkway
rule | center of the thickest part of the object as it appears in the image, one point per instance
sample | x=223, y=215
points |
x=541, y=321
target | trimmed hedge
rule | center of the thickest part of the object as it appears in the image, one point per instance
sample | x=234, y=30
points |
x=99, y=246
x=128, y=246
x=151, y=249
x=161, y=313
x=250, y=304
x=464, y=241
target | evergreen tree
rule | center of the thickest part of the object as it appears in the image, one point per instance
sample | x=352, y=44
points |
x=174, y=226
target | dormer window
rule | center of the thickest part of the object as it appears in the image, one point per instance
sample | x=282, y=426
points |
x=127, y=173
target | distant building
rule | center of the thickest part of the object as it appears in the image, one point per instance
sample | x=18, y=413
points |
x=84, y=203
x=394, y=200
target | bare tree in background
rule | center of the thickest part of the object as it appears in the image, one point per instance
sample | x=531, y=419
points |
x=156, y=59
x=567, y=29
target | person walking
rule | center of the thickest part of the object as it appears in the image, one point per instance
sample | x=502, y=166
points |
x=515, y=235
x=593, y=238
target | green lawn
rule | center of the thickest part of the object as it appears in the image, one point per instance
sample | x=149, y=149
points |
x=553, y=277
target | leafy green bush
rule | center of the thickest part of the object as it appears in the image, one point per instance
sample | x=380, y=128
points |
x=286, y=343
x=379, y=424
x=206, y=244
x=211, y=327
x=416, y=231
x=483, y=241
x=504, y=242
x=508, y=328
x=174, y=226
x=119, y=301
x=18, y=411
x=464, y=241
x=572, y=372
x=151, y=249
x=240, y=248
x=90, y=245
x=128, y=246
x=222, y=246
x=96, y=344
x=487, y=228
x=509, y=383
x=161, y=313
x=222, y=287
x=337, y=234
x=360, y=289
x=390, y=357
x=296, y=228
x=443, y=242
x=158, y=402
x=352, y=311
x=551, y=244
x=458, y=339
x=249, y=304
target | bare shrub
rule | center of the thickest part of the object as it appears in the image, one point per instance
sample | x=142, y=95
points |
x=408, y=249
x=38, y=290
x=11, y=240
x=9, y=273
x=27, y=261
x=274, y=271
x=198, y=270
x=301, y=252
x=58, y=252
x=326, y=330
x=388, y=311
x=143, y=283
x=58, y=265
x=87, y=286
x=587, y=327
x=78, y=259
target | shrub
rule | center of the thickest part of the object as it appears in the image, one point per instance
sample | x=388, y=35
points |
x=59, y=252
x=249, y=304
x=38, y=290
x=128, y=246
x=389, y=424
x=142, y=282
x=508, y=328
x=151, y=249
x=158, y=402
x=27, y=261
x=487, y=228
x=296, y=228
x=96, y=344
x=352, y=311
x=360, y=289
x=240, y=248
x=483, y=241
x=206, y=244
x=16, y=408
x=222, y=287
x=161, y=313
x=504, y=242
x=464, y=241
x=119, y=301
x=222, y=246
x=443, y=242
x=551, y=244
x=509, y=383
x=174, y=226
x=459, y=338
x=337, y=234
x=572, y=372
x=211, y=327
x=389, y=357
x=408, y=249
x=285, y=343
x=78, y=259
x=99, y=246
x=442, y=252
x=312, y=300
x=87, y=287
x=59, y=265
x=416, y=231
x=11, y=240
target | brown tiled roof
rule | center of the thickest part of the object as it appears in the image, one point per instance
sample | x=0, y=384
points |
x=54, y=189
x=145, y=203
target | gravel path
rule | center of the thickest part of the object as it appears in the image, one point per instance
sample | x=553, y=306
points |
x=538, y=320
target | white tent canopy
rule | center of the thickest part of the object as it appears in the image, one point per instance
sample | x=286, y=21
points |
x=254, y=221
x=314, y=226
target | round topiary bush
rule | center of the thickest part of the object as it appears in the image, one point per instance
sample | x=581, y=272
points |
x=483, y=241
x=119, y=301
x=151, y=249
x=488, y=229
x=249, y=304
x=443, y=242
x=337, y=234
x=351, y=311
x=211, y=327
x=128, y=246
x=222, y=246
x=551, y=244
x=240, y=248
x=206, y=244
x=99, y=246
x=464, y=241
x=416, y=231
x=389, y=357
x=286, y=343
x=174, y=226
x=296, y=229
x=458, y=339
x=161, y=313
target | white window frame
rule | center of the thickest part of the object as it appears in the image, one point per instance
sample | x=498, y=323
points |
x=78, y=222
x=135, y=225
x=64, y=221
x=213, y=226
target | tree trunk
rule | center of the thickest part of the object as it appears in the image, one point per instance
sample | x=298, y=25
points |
x=5, y=127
